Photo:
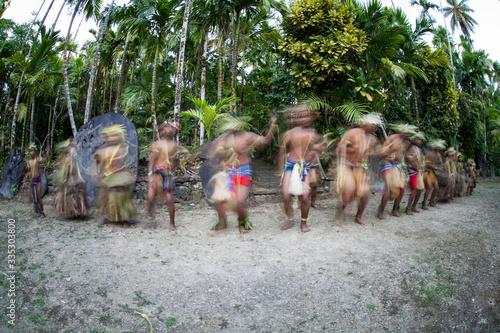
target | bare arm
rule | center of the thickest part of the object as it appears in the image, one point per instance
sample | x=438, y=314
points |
x=265, y=140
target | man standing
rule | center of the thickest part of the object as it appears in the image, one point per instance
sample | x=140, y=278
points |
x=234, y=148
x=352, y=162
x=33, y=172
x=160, y=169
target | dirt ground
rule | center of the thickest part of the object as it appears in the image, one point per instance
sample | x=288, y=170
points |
x=437, y=271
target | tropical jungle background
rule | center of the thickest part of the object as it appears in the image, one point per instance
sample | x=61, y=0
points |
x=197, y=60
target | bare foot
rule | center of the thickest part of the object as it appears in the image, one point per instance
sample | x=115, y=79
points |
x=172, y=227
x=303, y=227
x=395, y=213
x=409, y=212
x=42, y=215
x=338, y=222
x=425, y=208
x=314, y=205
x=287, y=225
x=415, y=210
x=431, y=204
x=221, y=226
x=360, y=221
x=126, y=225
x=243, y=230
x=381, y=215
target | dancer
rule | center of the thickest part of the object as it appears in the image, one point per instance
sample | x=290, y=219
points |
x=460, y=175
x=297, y=143
x=33, y=173
x=392, y=171
x=472, y=175
x=163, y=157
x=450, y=168
x=114, y=201
x=352, y=162
x=433, y=165
x=70, y=198
x=232, y=184
x=415, y=157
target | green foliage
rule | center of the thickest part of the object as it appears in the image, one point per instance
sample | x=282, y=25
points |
x=321, y=41
x=206, y=113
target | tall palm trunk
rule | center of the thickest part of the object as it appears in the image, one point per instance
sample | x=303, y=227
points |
x=32, y=118
x=449, y=46
x=88, y=103
x=57, y=17
x=16, y=104
x=53, y=123
x=65, y=75
x=234, y=61
x=121, y=79
x=414, y=95
x=180, y=63
x=203, y=79
x=153, y=94
x=220, y=79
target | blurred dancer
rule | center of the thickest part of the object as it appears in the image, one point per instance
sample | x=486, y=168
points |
x=393, y=151
x=416, y=160
x=114, y=201
x=232, y=185
x=296, y=145
x=433, y=162
x=352, y=162
x=70, y=198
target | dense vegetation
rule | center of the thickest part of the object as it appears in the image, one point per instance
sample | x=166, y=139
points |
x=156, y=59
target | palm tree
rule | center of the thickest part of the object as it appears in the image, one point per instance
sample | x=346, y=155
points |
x=426, y=7
x=88, y=7
x=95, y=63
x=152, y=20
x=207, y=113
x=180, y=62
x=460, y=16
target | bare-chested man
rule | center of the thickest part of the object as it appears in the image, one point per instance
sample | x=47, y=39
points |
x=296, y=143
x=33, y=173
x=393, y=152
x=163, y=157
x=234, y=148
x=433, y=164
x=416, y=163
x=352, y=161
x=471, y=170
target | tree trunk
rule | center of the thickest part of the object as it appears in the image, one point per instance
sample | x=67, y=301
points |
x=203, y=79
x=122, y=77
x=153, y=95
x=220, y=79
x=180, y=63
x=57, y=17
x=16, y=104
x=65, y=76
x=95, y=63
x=415, y=100
x=242, y=80
x=32, y=117
x=234, y=61
x=110, y=93
x=449, y=46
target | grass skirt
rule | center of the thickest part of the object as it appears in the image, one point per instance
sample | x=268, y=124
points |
x=397, y=182
x=115, y=197
x=71, y=201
